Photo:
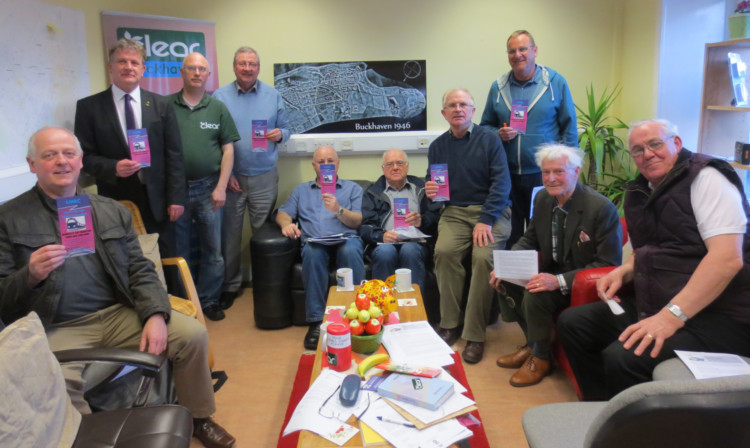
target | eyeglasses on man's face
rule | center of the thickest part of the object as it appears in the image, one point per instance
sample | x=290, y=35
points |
x=247, y=64
x=654, y=145
x=398, y=163
x=456, y=106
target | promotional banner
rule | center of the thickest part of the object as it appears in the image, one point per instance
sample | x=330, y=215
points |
x=167, y=41
x=363, y=96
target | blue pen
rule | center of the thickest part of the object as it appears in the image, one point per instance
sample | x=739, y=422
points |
x=388, y=420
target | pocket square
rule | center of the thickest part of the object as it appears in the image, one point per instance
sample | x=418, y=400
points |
x=583, y=237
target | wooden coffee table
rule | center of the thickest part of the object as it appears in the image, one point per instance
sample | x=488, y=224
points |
x=405, y=314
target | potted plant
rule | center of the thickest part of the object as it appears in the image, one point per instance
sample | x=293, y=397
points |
x=609, y=164
x=739, y=22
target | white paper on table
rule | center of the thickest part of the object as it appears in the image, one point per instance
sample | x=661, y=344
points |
x=307, y=413
x=458, y=388
x=416, y=343
x=440, y=435
x=713, y=365
x=516, y=266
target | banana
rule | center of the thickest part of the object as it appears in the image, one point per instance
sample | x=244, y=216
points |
x=371, y=361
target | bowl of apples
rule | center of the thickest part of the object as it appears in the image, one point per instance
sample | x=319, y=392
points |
x=366, y=325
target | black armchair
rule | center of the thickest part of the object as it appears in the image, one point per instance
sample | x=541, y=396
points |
x=138, y=426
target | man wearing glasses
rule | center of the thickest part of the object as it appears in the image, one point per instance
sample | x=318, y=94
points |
x=475, y=220
x=208, y=133
x=687, y=221
x=528, y=106
x=258, y=112
x=378, y=212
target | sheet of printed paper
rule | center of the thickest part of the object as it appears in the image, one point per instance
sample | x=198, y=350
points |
x=312, y=415
x=439, y=435
x=328, y=178
x=713, y=365
x=516, y=266
x=416, y=343
x=400, y=210
x=76, y=225
x=140, y=151
x=439, y=174
x=259, y=142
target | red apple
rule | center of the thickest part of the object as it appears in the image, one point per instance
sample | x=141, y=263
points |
x=356, y=328
x=362, y=302
x=373, y=326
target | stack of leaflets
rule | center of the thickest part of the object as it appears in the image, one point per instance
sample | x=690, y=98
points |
x=429, y=393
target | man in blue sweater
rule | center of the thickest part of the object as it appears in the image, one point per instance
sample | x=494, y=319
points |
x=258, y=111
x=476, y=220
x=528, y=106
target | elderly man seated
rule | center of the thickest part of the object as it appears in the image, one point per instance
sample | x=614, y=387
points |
x=573, y=228
x=690, y=269
x=109, y=298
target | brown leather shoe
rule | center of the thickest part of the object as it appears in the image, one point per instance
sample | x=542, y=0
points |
x=516, y=359
x=449, y=335
x=532, y=372
x=211, y=434
x=473, y=352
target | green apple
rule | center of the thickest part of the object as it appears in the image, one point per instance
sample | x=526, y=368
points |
x=363, y=316
x=352, y=313
x=374, y=311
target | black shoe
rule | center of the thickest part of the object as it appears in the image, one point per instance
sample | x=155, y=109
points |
x=227, y=299
x=312, y=336
x=213, y=312
x=473, y=352
x=449, y=335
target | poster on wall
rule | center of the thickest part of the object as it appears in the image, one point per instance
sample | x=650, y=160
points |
x=363, y=96
x=167, y=41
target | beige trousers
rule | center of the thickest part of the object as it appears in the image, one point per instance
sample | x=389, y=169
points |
x=118, y=326
x=455, y=240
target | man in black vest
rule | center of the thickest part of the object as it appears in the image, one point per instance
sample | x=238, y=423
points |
x=687, y=218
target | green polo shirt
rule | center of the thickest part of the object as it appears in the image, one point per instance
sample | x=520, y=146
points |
x=204, y=130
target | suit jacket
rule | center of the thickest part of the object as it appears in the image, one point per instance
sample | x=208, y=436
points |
x=98, y=129
x=593, y=234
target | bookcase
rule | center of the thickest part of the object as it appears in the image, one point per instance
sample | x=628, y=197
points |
x=721, y=123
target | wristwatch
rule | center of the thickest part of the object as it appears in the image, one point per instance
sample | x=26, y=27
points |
x=677, y=311
x=341, y=211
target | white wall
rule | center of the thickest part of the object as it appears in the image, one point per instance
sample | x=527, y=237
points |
x=687, y=25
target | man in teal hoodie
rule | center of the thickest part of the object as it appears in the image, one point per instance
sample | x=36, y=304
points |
x=528, y=106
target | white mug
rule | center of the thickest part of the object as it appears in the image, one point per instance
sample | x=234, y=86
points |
x=344, y=279
x=403, y=280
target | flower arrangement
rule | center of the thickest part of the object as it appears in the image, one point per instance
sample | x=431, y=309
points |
x=742, y=7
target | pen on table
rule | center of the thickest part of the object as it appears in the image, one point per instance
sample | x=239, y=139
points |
x=388, y=420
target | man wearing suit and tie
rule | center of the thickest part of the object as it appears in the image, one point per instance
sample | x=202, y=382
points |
x=102, y=123
x=573, y=228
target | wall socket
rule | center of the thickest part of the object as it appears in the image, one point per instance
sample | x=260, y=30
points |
x=423, y=142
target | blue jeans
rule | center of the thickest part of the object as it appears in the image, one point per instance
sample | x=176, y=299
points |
x=200, y=211
x=386, y=258
x=315, y=260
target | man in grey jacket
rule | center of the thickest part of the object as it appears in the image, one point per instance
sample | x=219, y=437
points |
x=109, y=298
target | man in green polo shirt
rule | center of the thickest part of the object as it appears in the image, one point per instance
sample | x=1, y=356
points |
x=208, y=133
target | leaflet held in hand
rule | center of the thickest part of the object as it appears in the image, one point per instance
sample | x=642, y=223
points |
x=76, y=225
x=400, y=210
x=519, y=108
x=428, y=393
x=328, y=178
x=439, y=174
x=259, y=142
x=140, y=151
